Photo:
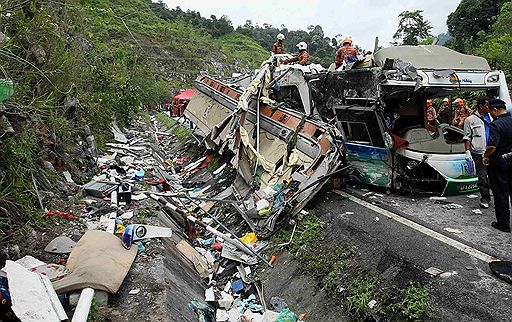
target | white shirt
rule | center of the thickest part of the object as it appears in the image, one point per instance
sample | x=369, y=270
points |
x=474, y=131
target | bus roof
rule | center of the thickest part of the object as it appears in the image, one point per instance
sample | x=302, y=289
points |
x=432, y=57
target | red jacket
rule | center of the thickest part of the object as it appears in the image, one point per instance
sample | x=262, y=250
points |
x=302, y=58
x=345, y=52
x=278, y=48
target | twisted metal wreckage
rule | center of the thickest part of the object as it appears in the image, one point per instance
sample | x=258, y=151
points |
x=282, y=157
x=288, y=120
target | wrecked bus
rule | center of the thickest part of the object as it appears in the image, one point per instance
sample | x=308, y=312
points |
x=282, y=157
x=380, y=106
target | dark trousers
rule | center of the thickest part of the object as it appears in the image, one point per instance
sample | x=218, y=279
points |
x=500, y=176
x=483, y=181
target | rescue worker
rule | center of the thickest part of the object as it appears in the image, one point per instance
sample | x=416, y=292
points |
x=443, y=115
x=431, y=113
x=346, y=53
x=302, y=58
x=461, y=113
x=278, y=47
x=498, y=158
x=475, y=143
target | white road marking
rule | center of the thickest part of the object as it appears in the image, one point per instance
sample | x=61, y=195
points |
x=427, y=231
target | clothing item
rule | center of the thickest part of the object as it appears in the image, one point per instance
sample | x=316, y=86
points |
x=278, y=48
x=461, y=114
x=500, y=177
x=487, y=118
x=483, y=180
x=302, y=58
x=500, y=136
x=431, y=113
x=499, y=169
x=474, y=132
x=443, y=115
x=346, y=53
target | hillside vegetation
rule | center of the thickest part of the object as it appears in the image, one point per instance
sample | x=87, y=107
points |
x=78, y=64
x=484, y=28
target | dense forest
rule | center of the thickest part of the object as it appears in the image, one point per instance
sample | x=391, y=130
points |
x=321, y=48
x=481, y=27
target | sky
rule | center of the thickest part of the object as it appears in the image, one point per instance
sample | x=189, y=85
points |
x=363, y=20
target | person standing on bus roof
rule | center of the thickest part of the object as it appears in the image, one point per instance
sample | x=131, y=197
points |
x=278, y=47
x=303, y=57
x=346, y=53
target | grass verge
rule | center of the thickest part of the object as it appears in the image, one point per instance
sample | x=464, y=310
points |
x=346, y=281
x=181, y=132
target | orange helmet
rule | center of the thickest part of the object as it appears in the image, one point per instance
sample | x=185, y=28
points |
x=429, y=102
x=347, y=40
x=459, y=101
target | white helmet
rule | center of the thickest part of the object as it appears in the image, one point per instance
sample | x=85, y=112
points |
x=280, y=37
x=302, y=45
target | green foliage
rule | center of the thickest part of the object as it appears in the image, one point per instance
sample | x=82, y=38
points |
x=181, y=132
x=364, y=290
x=96, y=314
x=84, y=63
x=415, y=303
x=215, y=27
x=215, y=163
x=427, y=41
x=307, y=235
x=412, y=28
x=242, y=47
x=497, y=48
x=320, y=48
x=346, y=281
x=471, y=20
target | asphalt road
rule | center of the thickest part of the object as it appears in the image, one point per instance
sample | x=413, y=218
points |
x=468, y=291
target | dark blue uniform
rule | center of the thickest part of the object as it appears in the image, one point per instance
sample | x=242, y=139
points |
x=500, y=169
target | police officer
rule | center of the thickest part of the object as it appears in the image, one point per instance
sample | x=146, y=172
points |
x=498, y=158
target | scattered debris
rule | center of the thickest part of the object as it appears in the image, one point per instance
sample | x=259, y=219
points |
x=451, y=206
x=448, y=274
x=477, y=211
x=453, y=230
x=502, y=269
x=60, y=245
x=99, y=261
x=134, y=291
x=135, y=232
x=32, y=295
x=67, y=175
x=60, y=214
x=433, y=271
x=127, y=215
x=278, y=304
